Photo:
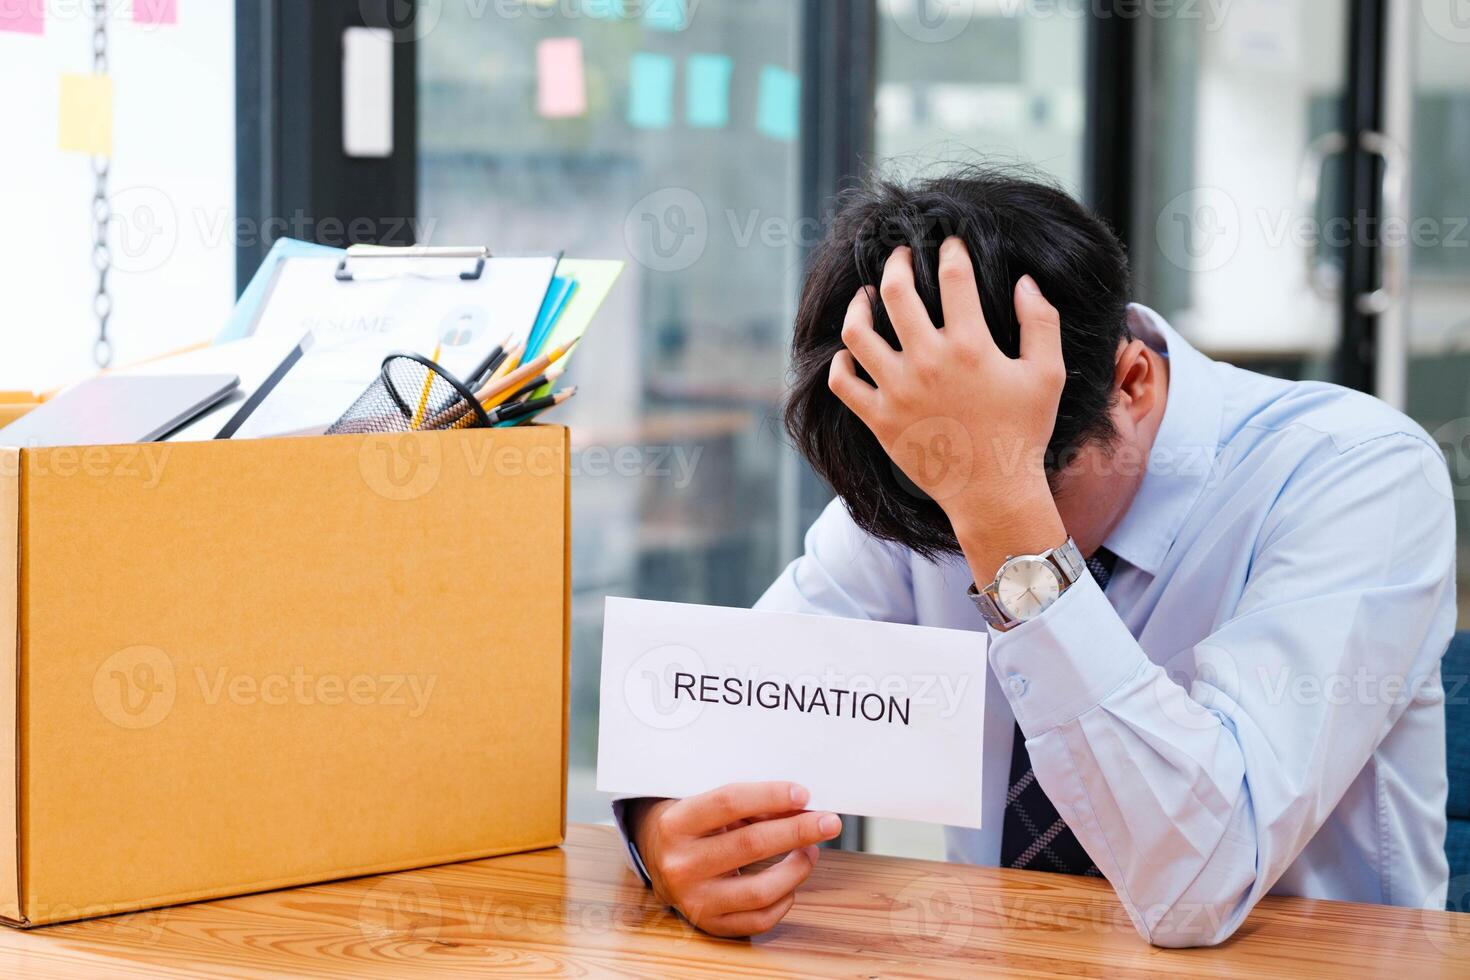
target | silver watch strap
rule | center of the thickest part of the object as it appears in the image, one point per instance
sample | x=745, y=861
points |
x=1066, y=559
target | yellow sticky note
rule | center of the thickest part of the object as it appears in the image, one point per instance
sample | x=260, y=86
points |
x=86, y=114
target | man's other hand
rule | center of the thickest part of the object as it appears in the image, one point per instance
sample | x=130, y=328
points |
x=694, y=848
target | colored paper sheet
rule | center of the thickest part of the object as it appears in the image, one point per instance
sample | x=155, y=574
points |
x=666, y=15
x=86, y=114
x=23, y=16
x=603, y=9
x=778, y=113
x=595, y=279
x=557, y=295
x=707, y=91
x=562, y=84
x=651, y=96
x=155, y=11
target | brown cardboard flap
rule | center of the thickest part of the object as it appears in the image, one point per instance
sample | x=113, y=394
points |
x=9, y=677
x=248, y=664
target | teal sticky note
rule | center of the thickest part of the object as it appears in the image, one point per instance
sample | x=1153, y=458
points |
x=778, y=112
x=603, y=9
x=666, y=15
x=651, y=91
x=707, y=90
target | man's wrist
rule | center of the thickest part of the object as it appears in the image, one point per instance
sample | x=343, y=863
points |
x=1029, y=525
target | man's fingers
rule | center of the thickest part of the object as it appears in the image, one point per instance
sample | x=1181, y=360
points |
x=756, y=842
x=901, y=300
x=871, y=350
x=751, y=923
x=853, y=391
x=764, y=888
x=1041, y=326
x=959, y=294
x=708, y=812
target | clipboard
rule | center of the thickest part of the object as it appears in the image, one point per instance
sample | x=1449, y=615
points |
x=361, y=305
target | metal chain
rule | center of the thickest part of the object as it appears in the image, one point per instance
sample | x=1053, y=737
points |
x=101, y=204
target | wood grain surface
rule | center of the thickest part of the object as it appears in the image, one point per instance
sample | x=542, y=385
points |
x=577, y=911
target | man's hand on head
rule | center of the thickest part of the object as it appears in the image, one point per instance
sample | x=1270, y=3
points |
x=967, y=424
x=694, y=848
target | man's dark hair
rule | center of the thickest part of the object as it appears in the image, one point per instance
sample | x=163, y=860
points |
x=1013, y=226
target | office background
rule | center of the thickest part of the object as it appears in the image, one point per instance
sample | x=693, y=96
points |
x=1234, y=145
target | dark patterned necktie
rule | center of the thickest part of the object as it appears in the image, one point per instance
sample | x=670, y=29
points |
x=1034, y=836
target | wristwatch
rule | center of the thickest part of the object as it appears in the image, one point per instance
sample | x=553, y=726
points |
x=1027, y=584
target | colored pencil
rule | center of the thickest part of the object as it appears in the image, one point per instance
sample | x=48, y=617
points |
x=550, y=376
x=418, y=415
x=489, y=395
x=524, y=410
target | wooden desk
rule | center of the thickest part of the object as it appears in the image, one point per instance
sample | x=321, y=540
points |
x=578, y=911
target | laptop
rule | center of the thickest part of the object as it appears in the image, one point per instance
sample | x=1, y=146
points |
x=114, y=409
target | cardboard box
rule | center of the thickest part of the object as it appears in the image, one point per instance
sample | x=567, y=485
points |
x=14, y=404
x=229, y=667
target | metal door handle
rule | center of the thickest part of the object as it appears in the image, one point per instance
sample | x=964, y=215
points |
x=1309, y=192
x=1383, y=299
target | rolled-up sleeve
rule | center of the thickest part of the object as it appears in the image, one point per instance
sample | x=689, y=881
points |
x=1194, y=798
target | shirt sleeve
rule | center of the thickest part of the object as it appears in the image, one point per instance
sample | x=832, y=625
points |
x=1194, y=800
x=841, y=572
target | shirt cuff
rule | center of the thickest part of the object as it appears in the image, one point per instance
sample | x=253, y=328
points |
x=1057, y=666
x=635, y=860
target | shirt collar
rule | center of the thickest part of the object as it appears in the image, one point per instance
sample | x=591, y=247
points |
x=1183, y=453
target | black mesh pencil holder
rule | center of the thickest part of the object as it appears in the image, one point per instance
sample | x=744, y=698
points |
x=411, y=393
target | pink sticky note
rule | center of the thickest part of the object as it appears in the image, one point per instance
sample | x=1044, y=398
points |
x=155, y=11
x=562, y=85
x=23, y=16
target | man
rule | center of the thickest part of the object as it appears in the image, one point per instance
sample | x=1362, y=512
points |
x=1239, y=692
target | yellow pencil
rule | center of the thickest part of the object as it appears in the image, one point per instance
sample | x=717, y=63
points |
x=511, y=362
x=418, y=415
x=493, y=393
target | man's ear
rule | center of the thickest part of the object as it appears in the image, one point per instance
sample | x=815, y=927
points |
x=1139, y=379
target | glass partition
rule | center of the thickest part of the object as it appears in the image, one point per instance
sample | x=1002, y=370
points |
x=666, y=134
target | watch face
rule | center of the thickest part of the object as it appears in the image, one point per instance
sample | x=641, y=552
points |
x=1028, y=586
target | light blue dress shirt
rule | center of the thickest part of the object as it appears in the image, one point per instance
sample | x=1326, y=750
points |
x=1255, y=705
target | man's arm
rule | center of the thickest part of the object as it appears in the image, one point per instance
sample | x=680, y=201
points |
x=1193, y=802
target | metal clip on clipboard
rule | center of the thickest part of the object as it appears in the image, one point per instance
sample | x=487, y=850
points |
x=359, y=253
